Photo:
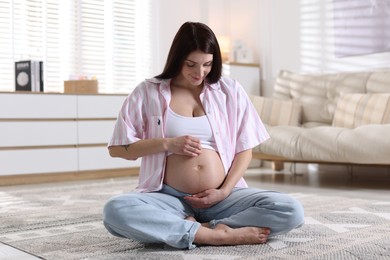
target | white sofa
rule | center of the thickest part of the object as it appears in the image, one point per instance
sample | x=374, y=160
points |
x=327, y=118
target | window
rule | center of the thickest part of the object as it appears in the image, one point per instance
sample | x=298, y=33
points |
x=107, y=39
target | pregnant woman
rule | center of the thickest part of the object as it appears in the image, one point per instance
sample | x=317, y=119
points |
x=195, y=131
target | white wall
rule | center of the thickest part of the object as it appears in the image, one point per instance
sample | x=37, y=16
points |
x=284, y=34
x=299, y=37
x=171, y=14
x=236, y=19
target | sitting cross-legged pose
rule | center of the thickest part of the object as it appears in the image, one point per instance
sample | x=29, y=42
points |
x=195, y=131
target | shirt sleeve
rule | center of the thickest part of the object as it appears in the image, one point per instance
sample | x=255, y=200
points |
x=250, y=130
x=129, y=124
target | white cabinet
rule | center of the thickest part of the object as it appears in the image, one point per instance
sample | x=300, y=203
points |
x=94, y=131
x=57, y=133
x=38, y=160
x=24, y=134
x=248, y=75
x=99, y=106
x=95, y=158
x=34, y=106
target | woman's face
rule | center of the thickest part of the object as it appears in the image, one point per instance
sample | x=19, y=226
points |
x=196, y=67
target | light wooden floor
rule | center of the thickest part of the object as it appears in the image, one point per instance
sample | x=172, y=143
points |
x=10, y=253
x=365, y=183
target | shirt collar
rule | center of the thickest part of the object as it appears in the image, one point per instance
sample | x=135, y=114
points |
x=214, y=86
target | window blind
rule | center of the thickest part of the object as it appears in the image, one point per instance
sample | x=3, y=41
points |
x=110, y=40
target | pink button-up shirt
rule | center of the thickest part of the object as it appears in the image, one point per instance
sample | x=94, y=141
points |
x=234, y=121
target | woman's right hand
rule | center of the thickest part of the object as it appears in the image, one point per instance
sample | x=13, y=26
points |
x=185, y=145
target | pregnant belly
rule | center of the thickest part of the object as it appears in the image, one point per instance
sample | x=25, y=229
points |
x=194, y=174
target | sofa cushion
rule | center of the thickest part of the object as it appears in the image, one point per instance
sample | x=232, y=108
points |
x=369, y=144
x=283, y=142
x=319, y=92
x=309, y=90
x=379, y=82
x=366, y=144
x=321, y=144
x=354, y=110
x=275, y=112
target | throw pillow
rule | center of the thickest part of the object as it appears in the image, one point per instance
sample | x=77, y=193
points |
x=358, y=109
x=275, y=112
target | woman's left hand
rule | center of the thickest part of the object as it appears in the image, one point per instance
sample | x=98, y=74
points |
x=206, y=199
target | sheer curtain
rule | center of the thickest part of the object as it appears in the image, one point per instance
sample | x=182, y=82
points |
x=107, y=39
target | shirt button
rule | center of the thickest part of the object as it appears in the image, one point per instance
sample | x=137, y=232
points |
x=216, y=133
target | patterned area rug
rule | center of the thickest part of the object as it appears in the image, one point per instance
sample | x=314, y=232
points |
x=64, y=222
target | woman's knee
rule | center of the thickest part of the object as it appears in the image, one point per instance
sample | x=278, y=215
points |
x=295, y=216
x=118, y=212
x=110, y=207
x=287, y=208
x=118, y=205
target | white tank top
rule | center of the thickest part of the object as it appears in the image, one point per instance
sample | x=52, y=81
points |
x=178, y=125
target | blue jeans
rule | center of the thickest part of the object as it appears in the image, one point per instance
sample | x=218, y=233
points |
x=159, y=217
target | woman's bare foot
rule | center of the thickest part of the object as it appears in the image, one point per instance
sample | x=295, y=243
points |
x=225, y=235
